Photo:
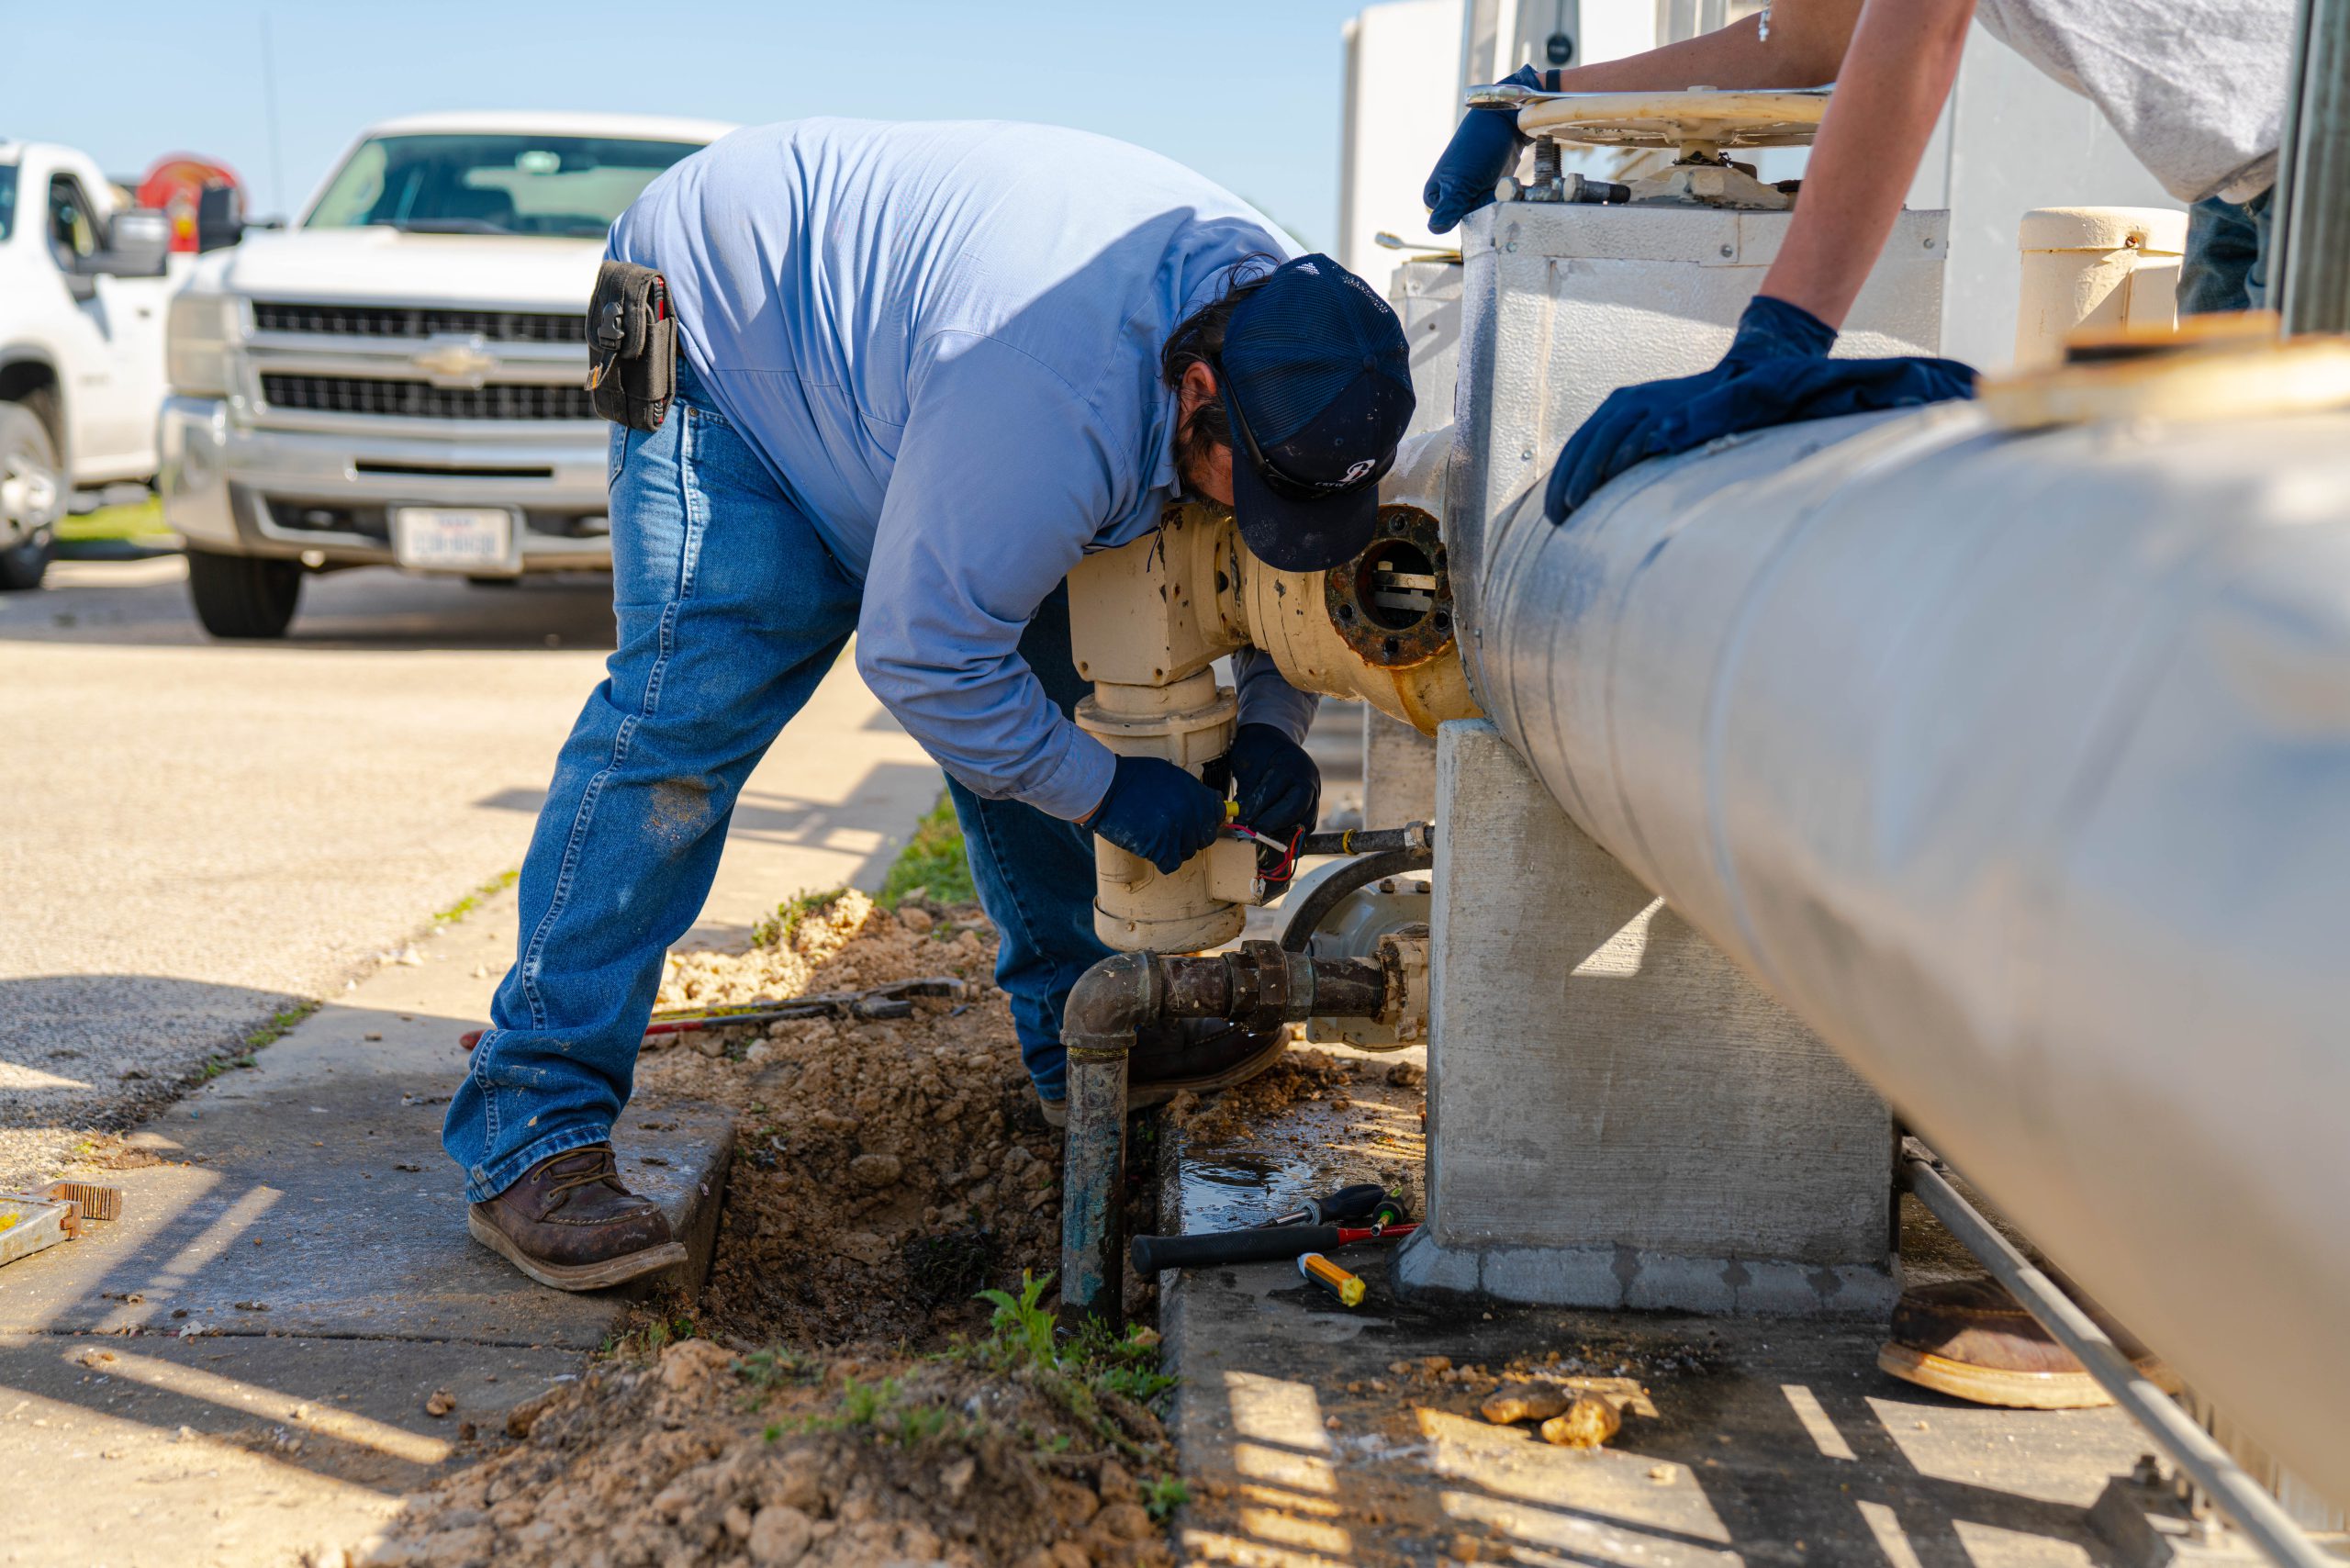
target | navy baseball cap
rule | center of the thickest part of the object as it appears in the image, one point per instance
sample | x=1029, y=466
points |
x=1317, y=382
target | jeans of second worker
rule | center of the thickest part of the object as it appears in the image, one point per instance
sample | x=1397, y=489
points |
x=729, y=610
x=2226, y=265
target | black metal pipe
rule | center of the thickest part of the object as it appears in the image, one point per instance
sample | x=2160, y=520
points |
x=1261, y=986
x=1310, y=912
x=1368, y=840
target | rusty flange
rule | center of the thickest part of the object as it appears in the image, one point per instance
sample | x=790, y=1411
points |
x=1392, y=604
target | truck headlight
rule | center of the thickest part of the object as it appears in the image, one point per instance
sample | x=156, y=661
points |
x=197, y=336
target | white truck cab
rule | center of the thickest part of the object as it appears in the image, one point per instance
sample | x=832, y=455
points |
x=398, y=379
x=83, y=297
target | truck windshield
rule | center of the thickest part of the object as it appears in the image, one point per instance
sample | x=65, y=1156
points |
x=559, y=186
x=7, y=200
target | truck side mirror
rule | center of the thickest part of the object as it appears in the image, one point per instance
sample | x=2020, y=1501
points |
x=139, y=244
x=219, y=218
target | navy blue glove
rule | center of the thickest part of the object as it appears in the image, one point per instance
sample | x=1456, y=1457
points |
x=1480, y=151
x=1156, y=810
x=1776, y=373
x=1280, y=788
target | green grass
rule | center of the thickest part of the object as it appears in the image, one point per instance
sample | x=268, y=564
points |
x=647, y=1340
x=1162, y=1496
x=279, y=1025
x=142, y=520
x=777, y=929
x=472, y=901
x=1092, y=1374
x=932, y=863
x=882, y=1407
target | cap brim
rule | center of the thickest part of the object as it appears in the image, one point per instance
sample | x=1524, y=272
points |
x=1300, y=536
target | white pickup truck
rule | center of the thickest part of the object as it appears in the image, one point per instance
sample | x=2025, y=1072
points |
x=82, y=306
x=398, y=377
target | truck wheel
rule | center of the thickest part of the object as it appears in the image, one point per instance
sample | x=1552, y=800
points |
x=31, y=491
x=241, y=596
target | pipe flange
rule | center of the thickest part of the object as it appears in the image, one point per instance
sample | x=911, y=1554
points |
x=1392, y=604
x=1273, y=990
x=1098, y=1048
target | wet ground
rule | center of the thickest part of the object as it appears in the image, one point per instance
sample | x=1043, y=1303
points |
x=1313, y=1434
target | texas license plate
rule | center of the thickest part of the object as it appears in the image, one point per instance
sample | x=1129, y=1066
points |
x=449, y=539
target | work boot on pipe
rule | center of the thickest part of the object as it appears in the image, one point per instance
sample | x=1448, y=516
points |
x=1971, y=1339
x=1197, y=1055
x=569, y=1223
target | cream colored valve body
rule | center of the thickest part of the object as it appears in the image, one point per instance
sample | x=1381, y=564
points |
x=1189, y=723
x=1149, y=619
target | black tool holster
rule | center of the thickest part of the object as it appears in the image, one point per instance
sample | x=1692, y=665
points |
x=631, y=346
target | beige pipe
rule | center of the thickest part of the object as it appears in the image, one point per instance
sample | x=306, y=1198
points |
x=1149, y=619
x=2095, y=268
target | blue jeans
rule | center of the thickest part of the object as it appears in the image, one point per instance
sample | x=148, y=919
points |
x=730, y=609
x=2226, y=266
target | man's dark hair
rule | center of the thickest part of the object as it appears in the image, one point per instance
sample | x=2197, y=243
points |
x=1197, y=339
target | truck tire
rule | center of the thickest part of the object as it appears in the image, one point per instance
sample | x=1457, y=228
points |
x=242, y=597
x=28, y=463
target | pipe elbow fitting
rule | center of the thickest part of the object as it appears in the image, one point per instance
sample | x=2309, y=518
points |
x=1110, y=1001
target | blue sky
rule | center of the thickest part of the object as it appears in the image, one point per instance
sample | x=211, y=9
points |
x=1246, y=90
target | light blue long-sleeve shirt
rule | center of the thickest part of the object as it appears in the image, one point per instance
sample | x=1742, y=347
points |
x=944, y=339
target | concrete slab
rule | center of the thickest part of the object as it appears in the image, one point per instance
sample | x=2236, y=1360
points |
x=309, y=1194
x=237, y=1450
x=1751, y=1439
x=298, y=1239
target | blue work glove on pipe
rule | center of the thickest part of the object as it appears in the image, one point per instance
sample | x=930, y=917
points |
x=1482, y=151
x=1156, y=810
x=1279, y=787
x=1777, y=371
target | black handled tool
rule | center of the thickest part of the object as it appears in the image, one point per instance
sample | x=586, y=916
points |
x=1363, y=1201
x=1279, y=1243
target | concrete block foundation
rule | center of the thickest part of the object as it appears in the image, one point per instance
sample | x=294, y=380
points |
x=1617, y=1116
x=1398, y=772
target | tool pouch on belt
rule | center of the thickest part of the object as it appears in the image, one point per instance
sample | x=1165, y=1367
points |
x=631, y=345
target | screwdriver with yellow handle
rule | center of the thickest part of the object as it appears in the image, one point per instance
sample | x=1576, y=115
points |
x=1347, y=1288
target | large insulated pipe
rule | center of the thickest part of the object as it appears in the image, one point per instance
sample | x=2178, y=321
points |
x=2019, y=767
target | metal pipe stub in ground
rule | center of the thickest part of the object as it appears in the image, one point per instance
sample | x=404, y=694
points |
x=1260, y=986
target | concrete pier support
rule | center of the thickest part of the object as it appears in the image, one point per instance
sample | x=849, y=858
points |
x=1618, y=1116
x=1398, y=772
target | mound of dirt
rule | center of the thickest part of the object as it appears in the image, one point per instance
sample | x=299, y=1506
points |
x=702, y=1456
x=885, y=1172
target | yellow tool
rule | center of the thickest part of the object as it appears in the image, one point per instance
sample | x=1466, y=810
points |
x=1347, y=1288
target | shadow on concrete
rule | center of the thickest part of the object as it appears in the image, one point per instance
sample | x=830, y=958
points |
x=114, y=549
x=765, y=816
x=1782, y=1444
x=144, y=603
x=161, y=1032
x=291, y=1266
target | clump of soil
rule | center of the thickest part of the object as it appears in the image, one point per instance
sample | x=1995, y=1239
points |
x=1302, y=1074
x=885, y=1172
x=704, y=1456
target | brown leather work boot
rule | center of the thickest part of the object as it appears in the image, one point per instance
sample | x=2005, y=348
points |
x=1195, y=1054
x=1971, y=1339
x=569, y=1223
